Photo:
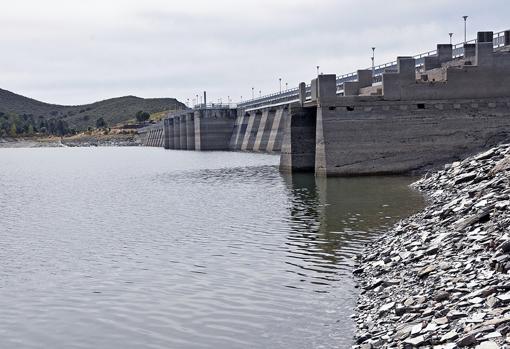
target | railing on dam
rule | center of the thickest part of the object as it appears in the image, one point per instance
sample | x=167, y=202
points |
x=293, y=94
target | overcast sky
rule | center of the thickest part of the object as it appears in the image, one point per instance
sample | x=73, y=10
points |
x=75, y=52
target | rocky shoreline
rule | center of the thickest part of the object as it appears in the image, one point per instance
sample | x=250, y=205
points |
x=439, y=279
x=69, y=142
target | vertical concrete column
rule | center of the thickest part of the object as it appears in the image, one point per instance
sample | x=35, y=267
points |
x=274, y=143
x=190, y=131
x=264, y=141
x=253, y=131
x=365, y=78
x=247, y=133
x=507, y=37
x=298, y=148
x=406, y=69
x=242, y=118
x=182, y=133
x=302, y=93
x=485, y=49
x=444, y=53
x=170, y=126
x=260, y=131
x=166, y=139
x=197, y=116
x=177, y=132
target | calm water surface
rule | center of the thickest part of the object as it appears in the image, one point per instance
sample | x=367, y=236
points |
x=147, y=248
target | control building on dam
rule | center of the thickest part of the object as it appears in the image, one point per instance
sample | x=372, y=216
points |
x=406, y=116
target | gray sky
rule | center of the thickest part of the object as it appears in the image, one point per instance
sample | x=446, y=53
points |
x=75, y=52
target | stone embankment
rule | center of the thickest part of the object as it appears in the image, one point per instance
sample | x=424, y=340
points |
x=439, y=279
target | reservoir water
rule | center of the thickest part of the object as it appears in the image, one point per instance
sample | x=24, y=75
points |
x=147, y=248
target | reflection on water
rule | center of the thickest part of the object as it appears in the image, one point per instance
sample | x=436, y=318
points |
x=141, y=247
x=332, y=219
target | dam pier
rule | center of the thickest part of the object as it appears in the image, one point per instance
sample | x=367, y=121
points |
x=406, y=116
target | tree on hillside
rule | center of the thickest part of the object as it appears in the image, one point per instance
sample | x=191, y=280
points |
x=100, y=123
x=13, y=132
x=142, y=116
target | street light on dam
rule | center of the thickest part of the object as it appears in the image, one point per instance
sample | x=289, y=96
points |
x=465, y=28
x=373, y=61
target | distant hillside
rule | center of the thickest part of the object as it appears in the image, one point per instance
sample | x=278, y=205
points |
x=80, y=117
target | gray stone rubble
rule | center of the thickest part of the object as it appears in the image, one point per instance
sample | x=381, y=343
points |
x=439, y=279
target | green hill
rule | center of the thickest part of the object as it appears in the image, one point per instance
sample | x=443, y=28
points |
x=80, y=117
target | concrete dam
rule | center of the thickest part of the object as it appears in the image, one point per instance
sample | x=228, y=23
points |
x=407, y=116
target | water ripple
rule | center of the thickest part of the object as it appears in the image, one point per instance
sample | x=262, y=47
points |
x=137, y=247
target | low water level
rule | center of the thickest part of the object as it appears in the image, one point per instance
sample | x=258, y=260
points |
x=147, y=248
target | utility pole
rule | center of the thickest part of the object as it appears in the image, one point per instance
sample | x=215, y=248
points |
x=465, y=28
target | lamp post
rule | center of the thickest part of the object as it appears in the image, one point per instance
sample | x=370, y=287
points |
x=241, y=98
x=318, y=70
x=280, y=80
x=465, y=28
x=260, y=93
x=197, y=98
x=286, y=86
x=451, y=34
x=253, y=93
x=187, y=102
x=373, y=61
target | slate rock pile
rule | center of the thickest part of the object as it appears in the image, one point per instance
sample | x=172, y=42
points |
x=440, y=279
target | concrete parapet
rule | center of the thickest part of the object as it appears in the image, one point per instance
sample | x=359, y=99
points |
x=298, y=148
x=351, y=88
x=190, y=131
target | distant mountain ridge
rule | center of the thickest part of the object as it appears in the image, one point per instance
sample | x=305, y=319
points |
x=80, y=117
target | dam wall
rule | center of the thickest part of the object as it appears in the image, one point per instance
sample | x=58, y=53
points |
x=416, y=115
x=415, y=124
